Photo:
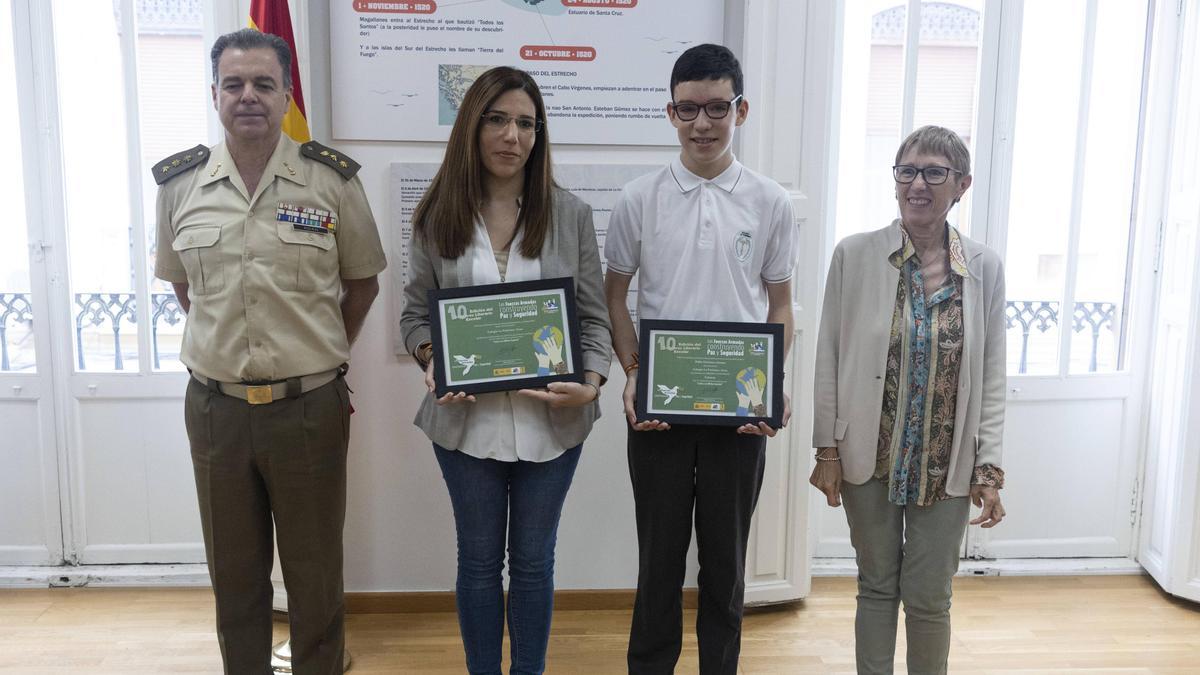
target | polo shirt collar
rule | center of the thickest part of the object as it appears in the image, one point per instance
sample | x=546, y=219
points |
x=688, y=181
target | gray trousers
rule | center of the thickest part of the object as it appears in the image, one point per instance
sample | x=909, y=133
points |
x=909, y=554
x=281, y=463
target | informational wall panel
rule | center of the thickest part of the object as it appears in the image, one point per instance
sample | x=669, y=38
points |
x=400, y=69
x=599, y=185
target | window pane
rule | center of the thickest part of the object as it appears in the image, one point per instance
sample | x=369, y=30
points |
x=1107, y=189
x=16, y=303
x=1039, y=207
x=947, y=77
x=91, y=103
x=872, y=94
x=873, y=99
x=173, y=100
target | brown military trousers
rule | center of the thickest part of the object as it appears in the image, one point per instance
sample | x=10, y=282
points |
x=282, y=462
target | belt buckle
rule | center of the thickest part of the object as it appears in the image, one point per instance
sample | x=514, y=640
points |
x=258, y=394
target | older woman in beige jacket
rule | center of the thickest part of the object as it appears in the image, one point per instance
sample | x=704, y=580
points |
x=909, y=402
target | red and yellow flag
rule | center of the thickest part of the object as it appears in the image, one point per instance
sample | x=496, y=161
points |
x=272, y=16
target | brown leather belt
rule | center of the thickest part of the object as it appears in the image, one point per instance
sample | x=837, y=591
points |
x=268, y=392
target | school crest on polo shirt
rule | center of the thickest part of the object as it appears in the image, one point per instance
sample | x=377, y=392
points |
x=743, y=246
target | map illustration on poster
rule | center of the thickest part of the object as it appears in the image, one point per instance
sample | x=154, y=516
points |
x=400, y=69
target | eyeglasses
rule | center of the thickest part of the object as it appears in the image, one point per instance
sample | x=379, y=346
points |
x=715, y=110
x=494, y=121
x=934, y=175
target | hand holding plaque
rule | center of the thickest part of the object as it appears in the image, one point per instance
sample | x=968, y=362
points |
x=697, y=372
x=502, y=337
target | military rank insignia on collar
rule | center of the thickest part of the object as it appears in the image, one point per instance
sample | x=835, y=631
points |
x=331, y=158
x=306, y=218
x=178, y=163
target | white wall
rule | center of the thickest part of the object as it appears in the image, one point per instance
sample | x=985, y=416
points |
x=400, y=528
x=127, y=497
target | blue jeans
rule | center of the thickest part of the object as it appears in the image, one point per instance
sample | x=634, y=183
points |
x=523, y=500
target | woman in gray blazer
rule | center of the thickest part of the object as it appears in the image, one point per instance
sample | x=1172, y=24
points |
x=493, y=214
x=909, y=402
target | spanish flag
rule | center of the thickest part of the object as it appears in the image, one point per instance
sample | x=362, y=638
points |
x=272, y=16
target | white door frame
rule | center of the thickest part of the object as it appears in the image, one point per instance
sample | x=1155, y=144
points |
x=999, y=70
x=1169, y=537
x=788, y=139
x=62, y=384
x=37, y=132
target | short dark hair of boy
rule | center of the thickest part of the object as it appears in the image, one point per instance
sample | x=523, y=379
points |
x=247, y=39
x=707, y=62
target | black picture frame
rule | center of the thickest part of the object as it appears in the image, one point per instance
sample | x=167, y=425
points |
x=438, y=298
x=648, y=328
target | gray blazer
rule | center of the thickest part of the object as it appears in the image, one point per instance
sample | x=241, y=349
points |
x=569, y=250
x=852, y=346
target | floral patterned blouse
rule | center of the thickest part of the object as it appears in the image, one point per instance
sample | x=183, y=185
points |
x=920, y=393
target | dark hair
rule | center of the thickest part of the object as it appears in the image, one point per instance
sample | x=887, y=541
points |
x=707, y=62
x=446, y=213
x=248, y=38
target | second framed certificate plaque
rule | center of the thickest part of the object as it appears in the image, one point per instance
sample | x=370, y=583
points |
x=498, y=337
x=707, y=372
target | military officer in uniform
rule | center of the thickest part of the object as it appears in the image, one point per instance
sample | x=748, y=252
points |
x=273, y=253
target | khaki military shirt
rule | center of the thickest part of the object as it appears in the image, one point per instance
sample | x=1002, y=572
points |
x=264, y=270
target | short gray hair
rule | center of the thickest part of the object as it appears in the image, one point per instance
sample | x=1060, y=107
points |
x=935, y=140
x=248, y=38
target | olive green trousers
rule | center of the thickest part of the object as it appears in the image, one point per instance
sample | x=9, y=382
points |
x=280, y=464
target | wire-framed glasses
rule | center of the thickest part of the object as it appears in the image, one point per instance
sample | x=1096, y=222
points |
x=496, y=121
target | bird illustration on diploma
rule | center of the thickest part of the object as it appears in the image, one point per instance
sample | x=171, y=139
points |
x=669, y=392
x=466, y=362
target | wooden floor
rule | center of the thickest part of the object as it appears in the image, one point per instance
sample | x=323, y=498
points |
x=1116, y=624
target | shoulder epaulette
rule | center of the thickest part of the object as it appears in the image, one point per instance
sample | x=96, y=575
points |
x=331, y=158
x=179, y=163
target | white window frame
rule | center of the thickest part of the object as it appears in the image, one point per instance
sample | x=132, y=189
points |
x=49, y=234
x=994, y=162
x=999, y=70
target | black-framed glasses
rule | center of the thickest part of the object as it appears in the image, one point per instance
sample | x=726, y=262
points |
x=933, y=175
x=714, y=109
x=496, y=121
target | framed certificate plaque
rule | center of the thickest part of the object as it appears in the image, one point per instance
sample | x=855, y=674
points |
x=707, y=372
x=498, y=337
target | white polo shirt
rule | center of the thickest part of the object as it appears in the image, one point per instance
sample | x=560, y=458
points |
x=705, y=248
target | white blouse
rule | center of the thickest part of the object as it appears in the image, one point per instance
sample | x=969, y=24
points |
x=506, y=426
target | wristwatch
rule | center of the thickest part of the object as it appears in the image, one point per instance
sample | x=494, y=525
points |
x=424, y=354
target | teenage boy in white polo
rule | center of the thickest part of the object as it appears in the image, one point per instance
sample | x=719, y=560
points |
x=713, y=241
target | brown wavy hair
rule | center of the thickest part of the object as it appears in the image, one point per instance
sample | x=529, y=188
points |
x=446, y=213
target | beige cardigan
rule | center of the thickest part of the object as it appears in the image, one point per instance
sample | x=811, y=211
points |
x=852, y=346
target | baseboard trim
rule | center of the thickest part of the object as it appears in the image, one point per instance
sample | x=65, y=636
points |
x=1024, y=567
x=419, y=602
x=407, y=602
x=111, y=576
